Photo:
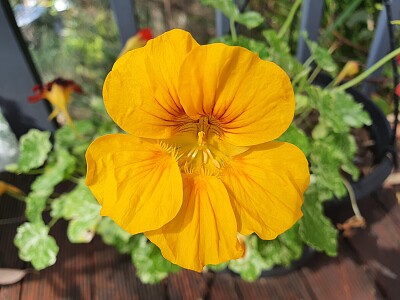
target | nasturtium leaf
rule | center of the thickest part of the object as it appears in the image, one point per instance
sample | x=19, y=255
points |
x=302, y=103
x=35, y=245
x=60, y=166
x=114, y=235
x=151, y=266
x=279, y=53
x=296, y=136
x=83, y=211
x=35, y=204
x=325, y=164
x=218, y=268
x=282, y=251
x=250, y=266
x=82, y=230
x=316, y=230
x=322, y=57
x=34, y=147
x=227, y=7
x=250, y=19
x=320, y=131
x=68, y=137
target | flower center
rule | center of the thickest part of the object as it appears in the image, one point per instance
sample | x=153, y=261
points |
x=197, y=147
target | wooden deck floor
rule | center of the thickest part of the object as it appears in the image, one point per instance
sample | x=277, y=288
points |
x=368, y=267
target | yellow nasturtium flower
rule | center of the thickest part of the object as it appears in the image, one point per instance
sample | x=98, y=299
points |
x=198, y=165
x=58, y=93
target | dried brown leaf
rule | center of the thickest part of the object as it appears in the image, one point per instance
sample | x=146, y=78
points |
x=350, y=224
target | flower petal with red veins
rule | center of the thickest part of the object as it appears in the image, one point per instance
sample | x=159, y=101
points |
x=252, y=99
x=140, y=92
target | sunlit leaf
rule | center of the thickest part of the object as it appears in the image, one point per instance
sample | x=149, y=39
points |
x=250, y=19
x=250, y=266
x=34, y=147
x=35, y=245
x=296, y=136
x=151, y=266
x=282, y=251
x=316, y=229
x=112, y=234
x=81, y=209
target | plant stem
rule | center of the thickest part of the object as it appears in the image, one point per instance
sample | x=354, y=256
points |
x=342, y=18
x=233, y=30
x=353, y=199
x=289, y=19
x=368, y=72
x=52, y=222
x=314, y=74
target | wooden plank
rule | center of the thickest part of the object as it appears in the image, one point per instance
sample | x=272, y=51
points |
x=114, y=277
x=289, y=286
x=390, y=202
x=10, y=212
x=339, y=278
x=223, y=287
x=187, y=285
x=379, y=247
x=9, y=257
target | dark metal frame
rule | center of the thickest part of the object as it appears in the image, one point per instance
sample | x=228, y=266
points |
x=17, y=77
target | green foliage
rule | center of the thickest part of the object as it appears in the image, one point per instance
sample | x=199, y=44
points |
x=59, y=167
x=252, y=264
x=322, y=57
x=250, y=19
x=315, y=229
x=35, y=245
x=34, y=147
x=82, y=211
x=151, y=266
x=282, y=251
x=296, y=135
x=114, y=235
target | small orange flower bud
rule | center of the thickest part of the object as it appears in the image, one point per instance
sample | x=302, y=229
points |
x=350, y=69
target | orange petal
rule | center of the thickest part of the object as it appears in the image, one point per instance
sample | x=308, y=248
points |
x=266, y=186
x=251, y=98
x=137, y=182
x=140, y=91
x=204, y=231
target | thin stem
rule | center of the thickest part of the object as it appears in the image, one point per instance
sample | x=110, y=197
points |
x=314, y=74
x=285, y=27
x=17, y=196
x=52, y=222
x=12, y=220
x=353, y=199
x=342, y=18
x=233, y=30
x=368, y=72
